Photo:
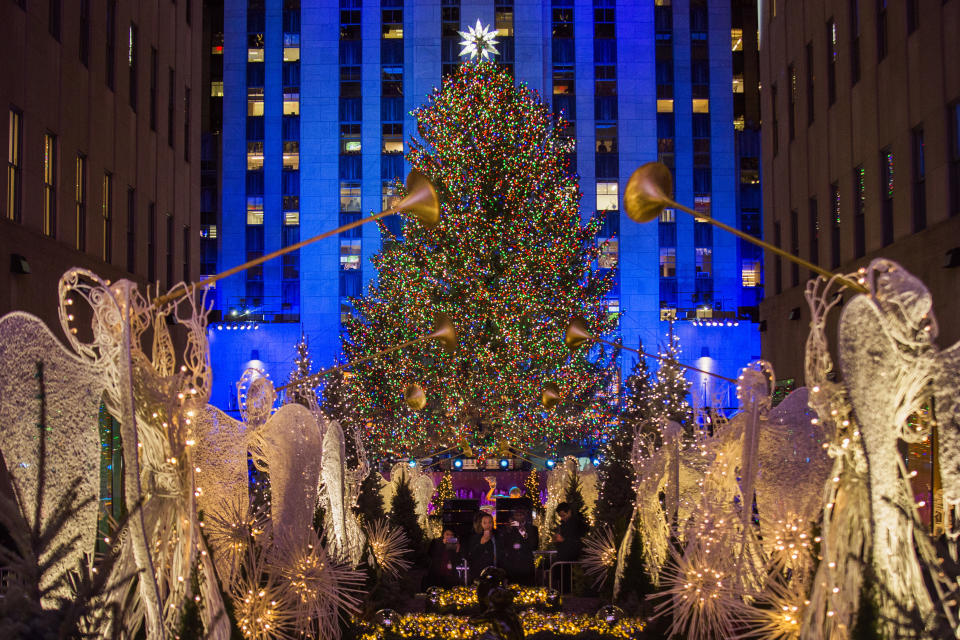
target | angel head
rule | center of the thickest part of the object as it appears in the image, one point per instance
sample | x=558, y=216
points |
x=903, y=297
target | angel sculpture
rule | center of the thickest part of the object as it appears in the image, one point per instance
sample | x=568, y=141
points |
x=889, y=364
x=338, y=491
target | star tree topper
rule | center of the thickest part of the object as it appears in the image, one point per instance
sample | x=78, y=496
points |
x=478, y=40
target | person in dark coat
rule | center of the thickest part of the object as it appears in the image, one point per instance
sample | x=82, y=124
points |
x=482, y=551
x=444, y=557
x=567, y=542
x=518, y=543
x=568, y=534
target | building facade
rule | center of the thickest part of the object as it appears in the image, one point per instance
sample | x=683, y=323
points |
x=102, y=133
x=861, y=152
x=316, y=118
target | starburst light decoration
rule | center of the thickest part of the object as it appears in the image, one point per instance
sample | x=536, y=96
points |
x=388, y=546
x=599, y=555
x=478, y=41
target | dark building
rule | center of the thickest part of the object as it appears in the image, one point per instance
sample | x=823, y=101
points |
x=102, y=131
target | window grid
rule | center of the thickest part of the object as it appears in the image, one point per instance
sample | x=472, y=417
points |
x=859, y=212
x=886, y=199
x=106, y=247
x=919, y=181
x=14, y=163
x=50, y=185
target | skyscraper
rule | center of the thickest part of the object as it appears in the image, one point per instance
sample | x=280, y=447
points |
x=317, y=101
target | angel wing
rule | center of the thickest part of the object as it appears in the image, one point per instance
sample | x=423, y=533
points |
x=49, y=436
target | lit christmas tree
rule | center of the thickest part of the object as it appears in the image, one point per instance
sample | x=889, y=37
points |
x=302, y=365
x=510, y=262
x=444, y=492
x=531, y=491
x=670, y=391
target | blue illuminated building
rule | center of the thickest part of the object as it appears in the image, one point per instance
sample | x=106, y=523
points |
x=317, y=98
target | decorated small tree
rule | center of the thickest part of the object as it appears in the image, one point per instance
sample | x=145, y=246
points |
x=531, y=491
x=510, y=262
x=670, y=391
x=302, y=365
x=444, y=492
x=370, y=501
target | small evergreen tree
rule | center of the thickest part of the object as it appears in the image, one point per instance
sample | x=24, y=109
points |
x=370, y=500
x=302, y=365
x=444, y=492
x=616, y=495
x=671, y=388
x=531, y=491
x=573, y=494
x=403, y=513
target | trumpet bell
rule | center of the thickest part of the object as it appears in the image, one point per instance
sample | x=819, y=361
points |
x=550, y=395
x=577, y=333
x=421, y=200
x=445, y=333
x=414, y=396
x=648, y=192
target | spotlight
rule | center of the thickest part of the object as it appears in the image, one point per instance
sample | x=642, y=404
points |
x=596, y=461
x=412, y=463
x=504, y=463
x=219, y=327
x=458, y=463
x=551, y=463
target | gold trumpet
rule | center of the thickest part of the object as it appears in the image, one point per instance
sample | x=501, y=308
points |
x=421, y=202
x=414, y=396
x=648, y=193
x=550, y=395
x=443, y=332
x=578, y=333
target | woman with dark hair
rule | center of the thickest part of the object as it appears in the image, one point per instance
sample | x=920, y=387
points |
x=444, y=557
x=482, y=551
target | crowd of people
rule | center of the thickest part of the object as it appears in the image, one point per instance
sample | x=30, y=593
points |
x=511, y=548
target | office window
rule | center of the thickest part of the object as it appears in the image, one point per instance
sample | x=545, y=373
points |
x=131, y=230
x=919, y=181
x=607, y=196
x=53, y=19
x=171, y=104
x=886, y=197
x=859, y=212
x=811, y=82
x=913, y=15
x=291, y=155
x=349, y=254
x=111, y=43
x=254, y=210
x=609, y=257
x=668, y=262
x=834, y=225
x=704, y=262
x=14, y=162
x=854, y=41
x=132, y=64
x=291, y=101
x=106, y=210
x=254, y=156
x=881, y=29
x=153, y=88
x=750, y=271
x=83, y=44
x=349, y=196
x=50, y=185
x=255, y=101
x=833, y=53
x=813, y=233
x=81, y=203
x=953, y=145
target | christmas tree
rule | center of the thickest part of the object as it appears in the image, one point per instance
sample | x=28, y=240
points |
x=302, y=364
x=444, y=492
x=339, y=403
x=510, y=262
x=615, y=474
x=531, y=491
x=671, y=389
x=370, y=501
x=403, y=513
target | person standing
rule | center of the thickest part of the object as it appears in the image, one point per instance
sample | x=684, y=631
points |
x=519, y=542
x=482, y=552
x=444, y=557
x=567, y=540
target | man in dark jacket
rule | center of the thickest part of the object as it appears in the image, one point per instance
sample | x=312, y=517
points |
x=567, y=541
x=518, y=543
